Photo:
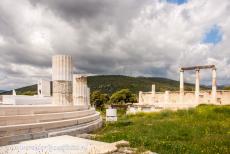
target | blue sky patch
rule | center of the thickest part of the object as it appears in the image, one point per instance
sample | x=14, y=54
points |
x=179, y=2
x=213, y=36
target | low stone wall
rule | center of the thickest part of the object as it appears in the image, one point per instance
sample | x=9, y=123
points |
x=205, y=97
x=25, y=100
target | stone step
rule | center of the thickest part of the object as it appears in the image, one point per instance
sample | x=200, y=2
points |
x=37, y=118
x=78, y=129
x=7, y=140
x=81, y=128
x=12, y=130
x=6, y=110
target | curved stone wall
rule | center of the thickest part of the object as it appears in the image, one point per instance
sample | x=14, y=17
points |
x=32, y=122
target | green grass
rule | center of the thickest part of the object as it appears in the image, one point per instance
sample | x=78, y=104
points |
x=205, y=129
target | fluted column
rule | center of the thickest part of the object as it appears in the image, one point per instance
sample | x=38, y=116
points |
x=80, y=91
x=88, y=96
x=62, y=79
x=197, y=86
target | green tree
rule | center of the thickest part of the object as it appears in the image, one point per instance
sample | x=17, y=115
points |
x=123, y=96
x=99, y=99
x=226, y=88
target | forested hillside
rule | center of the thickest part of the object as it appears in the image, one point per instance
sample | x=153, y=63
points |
x=112, y=83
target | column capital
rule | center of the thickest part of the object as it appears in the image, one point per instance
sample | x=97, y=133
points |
x=214, y=68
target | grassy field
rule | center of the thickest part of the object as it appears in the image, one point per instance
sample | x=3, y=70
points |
x=205, y=129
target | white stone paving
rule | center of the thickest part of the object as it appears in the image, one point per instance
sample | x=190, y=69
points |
x=59, y=145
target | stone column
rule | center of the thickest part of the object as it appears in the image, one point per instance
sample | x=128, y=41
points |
x=197, y=86
x=80, y=90
x=166, y=97
x=153, y=93
x=181, y=85
x=43, y=88
x=140, y=98
x=88, y=96
x=214, y=85
x=62, y=70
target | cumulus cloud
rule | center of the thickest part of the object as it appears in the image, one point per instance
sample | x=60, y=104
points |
x=130, y=37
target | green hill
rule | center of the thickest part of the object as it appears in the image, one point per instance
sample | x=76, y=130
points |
x=28, y=90
x=2, y=91
x=111, y=83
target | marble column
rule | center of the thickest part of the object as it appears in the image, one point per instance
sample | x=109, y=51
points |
x=153, y=93
x=166, y=97
x=181, y=86
x=62, y=70
x=80, y=91
x=88, y=96
x=214, y=85
x=197, y=86
x=140, y=101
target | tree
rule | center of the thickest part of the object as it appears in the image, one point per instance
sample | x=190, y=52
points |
x=226, y=88
x=99, y=99
x=123, y=96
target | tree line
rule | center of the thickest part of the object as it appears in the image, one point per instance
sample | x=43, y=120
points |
x=123, y=96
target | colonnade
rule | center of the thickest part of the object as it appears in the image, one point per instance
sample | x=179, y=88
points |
x=197, y=82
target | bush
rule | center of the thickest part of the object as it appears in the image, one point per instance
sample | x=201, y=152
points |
x=98, y=99
x=123, y=96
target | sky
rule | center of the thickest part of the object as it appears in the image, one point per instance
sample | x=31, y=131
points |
x=125, y=37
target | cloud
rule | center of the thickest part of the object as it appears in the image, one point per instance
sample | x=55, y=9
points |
x=132, y=37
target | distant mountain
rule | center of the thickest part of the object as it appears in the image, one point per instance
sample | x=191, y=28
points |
x=111, y=83
x=28, y=90
x=2, y=91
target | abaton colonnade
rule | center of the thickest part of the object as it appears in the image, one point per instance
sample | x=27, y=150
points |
x=197, y=81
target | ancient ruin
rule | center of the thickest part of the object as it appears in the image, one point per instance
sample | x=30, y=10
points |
x=41, y=116
x=197, y=83
x=155, y=101
x=81, y=92
x=62, y=77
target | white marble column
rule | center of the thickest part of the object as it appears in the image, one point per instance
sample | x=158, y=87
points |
x=80, y=90
x=214, y=85
x=62, y=70
x=166, y=97
x=140, y=98
x=88, y=96
x=153, y=93
x=181, y=86
x=197, y=86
